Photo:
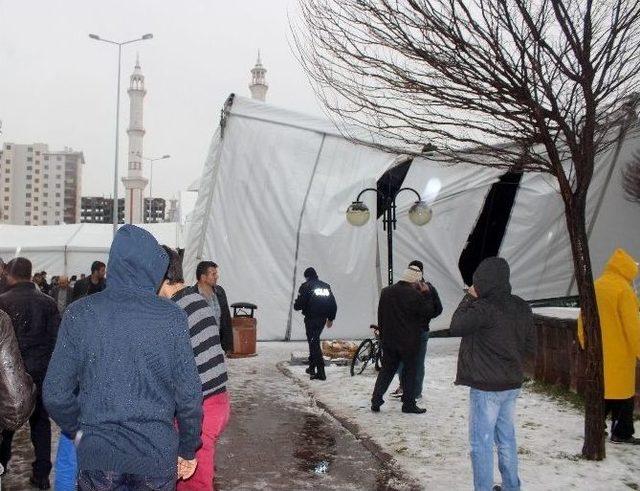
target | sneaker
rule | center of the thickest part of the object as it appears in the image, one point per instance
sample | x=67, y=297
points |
x=397, y=394
x=375, y=408
x=413, y=409
x=40, y=482
x=629, y=441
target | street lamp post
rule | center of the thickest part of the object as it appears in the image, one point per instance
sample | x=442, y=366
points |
x=115, y=172
x=358, y=214
x=151, y=161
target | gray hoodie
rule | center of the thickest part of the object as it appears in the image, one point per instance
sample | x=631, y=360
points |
x=496, y=329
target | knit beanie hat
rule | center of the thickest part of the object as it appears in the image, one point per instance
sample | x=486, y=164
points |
x=310, y=273
x=411, y=275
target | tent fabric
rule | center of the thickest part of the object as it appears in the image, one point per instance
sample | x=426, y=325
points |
x=70, y=249
x=272, y=200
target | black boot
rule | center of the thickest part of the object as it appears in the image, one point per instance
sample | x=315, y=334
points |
x=319, y=375
x=310, y=370
x=413, y=409
x=40, y=482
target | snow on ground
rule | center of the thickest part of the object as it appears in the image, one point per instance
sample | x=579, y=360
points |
x=434, y=446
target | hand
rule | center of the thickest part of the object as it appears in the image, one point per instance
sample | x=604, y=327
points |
x=186, y=468
x=423, y=286
x=329, y=323
x=472, y=291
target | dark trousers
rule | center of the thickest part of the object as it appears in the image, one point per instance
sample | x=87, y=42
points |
x=40, y=438
x=108, y=480
x=313, y=329
x=391, y=358
x=621, y=417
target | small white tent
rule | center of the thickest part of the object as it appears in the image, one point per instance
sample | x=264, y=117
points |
x=272, y=201
x=70, y=249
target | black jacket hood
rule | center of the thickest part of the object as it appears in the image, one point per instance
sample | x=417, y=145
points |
x=136, y=261
x=492, y=277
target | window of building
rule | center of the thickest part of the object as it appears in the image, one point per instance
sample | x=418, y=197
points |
x=57, y=213
x=29, y=149
x=37, y=152
x=7, y=179
x=29, y=159
x=57, y=203
x=37, y=180
x=35, y=217
x=36, y=198
x=8, y=161
x=27, y=213
x=35, y=208
x=46, y=195
x=8, y=147
x=46, y=157
x=58, y=176
x=46, y=176
x=46, y=185
x=28, y=177
x=27, y=222
x=6, y=190
x=6, y=198
x=6, y=207
x=37, y=171
x=7, y=170
x=58, y=158
x=28, y=204
x=58, y=185
x=29, y=167
x=57, y=222
x=6, y=217
x=57, y=195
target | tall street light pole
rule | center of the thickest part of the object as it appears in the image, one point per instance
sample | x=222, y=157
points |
x=358, y=214
x=151, y=161
x=115, y=172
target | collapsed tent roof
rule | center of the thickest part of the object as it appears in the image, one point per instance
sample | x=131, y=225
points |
x=70, y=249
x=272, y=201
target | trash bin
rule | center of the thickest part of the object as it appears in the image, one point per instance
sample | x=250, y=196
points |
x=244, y=329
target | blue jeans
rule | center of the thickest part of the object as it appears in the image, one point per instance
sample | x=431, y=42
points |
x=491, y=419
x=422, y=355
x=114, y=481
x=66, y=465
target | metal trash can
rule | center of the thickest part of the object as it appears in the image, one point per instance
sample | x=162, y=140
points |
x=244, y=326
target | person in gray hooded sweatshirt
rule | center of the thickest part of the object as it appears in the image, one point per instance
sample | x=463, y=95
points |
x=497, y=331
x=123, y=371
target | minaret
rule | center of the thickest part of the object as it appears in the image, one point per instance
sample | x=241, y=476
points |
x=258, y=85
x=135, y=182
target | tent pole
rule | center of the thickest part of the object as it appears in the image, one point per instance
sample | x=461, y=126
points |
x=287, y=336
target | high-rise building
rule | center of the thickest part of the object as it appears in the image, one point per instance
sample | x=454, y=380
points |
x=135, y=182
x=258, y=85
x=39, y=187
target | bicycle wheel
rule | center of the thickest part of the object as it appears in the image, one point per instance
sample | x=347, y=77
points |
x=364, y=355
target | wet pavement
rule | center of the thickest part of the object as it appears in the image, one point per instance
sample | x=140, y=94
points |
x=277, y=438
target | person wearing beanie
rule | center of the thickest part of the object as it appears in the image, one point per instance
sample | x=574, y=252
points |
x=318, y=305
x=431, y=294
x=402, y=313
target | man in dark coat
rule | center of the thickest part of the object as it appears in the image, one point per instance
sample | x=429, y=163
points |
x=35, y=319
x=497, y=331
x=3, y=277
x=62, y=293
x=318, y=305
x=123, y=381
x=403, y=312
x=93, y=283
x=207, y=275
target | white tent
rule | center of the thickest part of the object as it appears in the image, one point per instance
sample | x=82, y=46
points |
x=70, y=249
x=272, y=201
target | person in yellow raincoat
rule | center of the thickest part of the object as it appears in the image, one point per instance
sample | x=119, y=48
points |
x=620, y=327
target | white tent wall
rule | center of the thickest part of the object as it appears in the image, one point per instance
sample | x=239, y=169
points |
x=271, y=202
x=70, y=249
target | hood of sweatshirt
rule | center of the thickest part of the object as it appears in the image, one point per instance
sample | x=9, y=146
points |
x=136, y=261
x=492, y=277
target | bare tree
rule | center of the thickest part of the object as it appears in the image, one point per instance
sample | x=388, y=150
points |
x=631, y=179
x=537, y=85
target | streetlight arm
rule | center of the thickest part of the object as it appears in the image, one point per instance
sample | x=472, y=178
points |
x=364, y=191
x=408, y=189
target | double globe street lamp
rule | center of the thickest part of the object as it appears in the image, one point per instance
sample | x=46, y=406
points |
x=358, y=214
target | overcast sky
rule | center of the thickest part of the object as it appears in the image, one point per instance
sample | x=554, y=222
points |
x=57, y=86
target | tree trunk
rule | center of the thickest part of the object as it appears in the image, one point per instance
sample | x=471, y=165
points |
x=594, y=438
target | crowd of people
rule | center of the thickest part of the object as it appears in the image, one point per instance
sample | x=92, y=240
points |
x=132, y=367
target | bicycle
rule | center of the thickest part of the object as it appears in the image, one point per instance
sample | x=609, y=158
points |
x=369, y=351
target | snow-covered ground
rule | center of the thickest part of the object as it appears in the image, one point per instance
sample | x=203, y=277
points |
x=434, y=446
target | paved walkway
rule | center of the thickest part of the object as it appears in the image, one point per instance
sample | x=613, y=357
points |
x=277, y=438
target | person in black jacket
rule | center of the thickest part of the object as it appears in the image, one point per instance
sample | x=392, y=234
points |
x=35, y=319
x=402, y=313
x=318, y=305
x=207, y=275
x=93, y=283
x=497, y=331
x=3, y=277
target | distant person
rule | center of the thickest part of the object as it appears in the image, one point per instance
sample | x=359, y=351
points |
x=403, y=310
x=620, y=330
x=318, y=305
x=3, y=277
x=429, y=292
x=16, y=386
x=207, y=275
x=497, y=331
x=123, y=374
x=205, y=341
x=36, y=279
x=44, y=287
x=94, y=283
x=72, y=281
x=62, y=293
x=35, y=320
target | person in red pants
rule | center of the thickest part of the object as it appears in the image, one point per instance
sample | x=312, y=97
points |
x=209, y=355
